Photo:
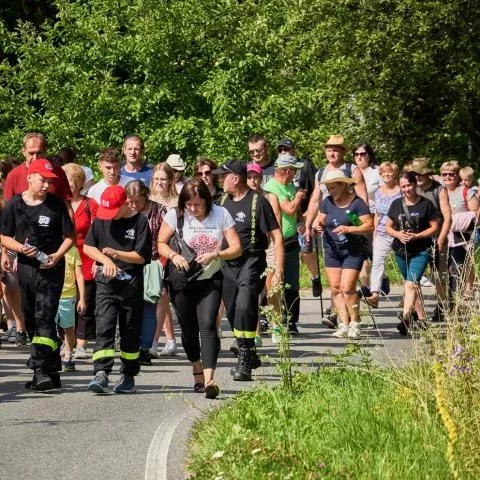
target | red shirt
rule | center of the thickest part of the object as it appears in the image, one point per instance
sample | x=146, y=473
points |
x=16, y=182
x=83, y=217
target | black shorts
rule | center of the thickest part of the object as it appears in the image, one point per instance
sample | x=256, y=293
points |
x=344, y=259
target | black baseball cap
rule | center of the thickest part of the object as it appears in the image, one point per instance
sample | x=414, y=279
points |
x=285, y=142
x=232, y=166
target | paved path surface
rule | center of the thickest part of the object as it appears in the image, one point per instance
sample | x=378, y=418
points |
x=73, y=434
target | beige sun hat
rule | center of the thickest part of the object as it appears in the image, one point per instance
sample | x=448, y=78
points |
x=336, y=141
x=421, y=166
x=336, y=175
x=176, y=162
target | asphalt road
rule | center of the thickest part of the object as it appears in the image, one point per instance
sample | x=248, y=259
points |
x=73, y=434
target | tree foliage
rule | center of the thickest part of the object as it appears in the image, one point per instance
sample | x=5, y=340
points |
x=199, y=76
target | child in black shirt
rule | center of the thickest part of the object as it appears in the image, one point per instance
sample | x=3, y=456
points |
x=36, y=225
x=120, y=242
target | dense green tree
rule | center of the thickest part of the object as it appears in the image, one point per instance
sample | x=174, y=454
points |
x=199, y=76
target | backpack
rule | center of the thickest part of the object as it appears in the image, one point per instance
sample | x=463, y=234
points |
x=348, y=171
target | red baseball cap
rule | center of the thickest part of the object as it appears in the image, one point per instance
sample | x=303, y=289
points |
x=112, y=199
x=43, y=167
x=253, y=167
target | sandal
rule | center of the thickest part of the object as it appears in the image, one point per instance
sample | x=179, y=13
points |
x=199, y=387
x=212, y=390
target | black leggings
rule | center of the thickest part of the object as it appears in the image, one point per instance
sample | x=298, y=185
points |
x=196, y=308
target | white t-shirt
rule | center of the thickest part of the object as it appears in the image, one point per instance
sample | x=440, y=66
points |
x=96, y=190
x=372, y=181
x=204, y=236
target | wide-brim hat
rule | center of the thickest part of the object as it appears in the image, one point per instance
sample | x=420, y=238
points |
x=336, y=141
x=176, y=162
x=421, y=166
x=333, y=176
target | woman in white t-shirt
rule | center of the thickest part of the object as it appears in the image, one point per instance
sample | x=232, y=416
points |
x=205, y=227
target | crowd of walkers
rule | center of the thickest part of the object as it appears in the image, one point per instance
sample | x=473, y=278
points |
x=106, y=261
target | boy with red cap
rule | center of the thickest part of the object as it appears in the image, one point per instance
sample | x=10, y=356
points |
x=120, y=242
x=36, y=225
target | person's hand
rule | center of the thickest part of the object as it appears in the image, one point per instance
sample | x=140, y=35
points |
x=180, y=262
x=7, y=263
x=441, y=242
x=110, y=270
x=29, y=252
x=81, y=306
x=51, y=262
x=110, y=252
x=301, y=228
x=404, y=237
x=301, y=195
x=341, y=230
x=206, y=258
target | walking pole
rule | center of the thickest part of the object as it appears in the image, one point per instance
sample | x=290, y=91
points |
x=317, y=251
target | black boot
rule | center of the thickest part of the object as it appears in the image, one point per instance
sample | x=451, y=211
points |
x=243, y=372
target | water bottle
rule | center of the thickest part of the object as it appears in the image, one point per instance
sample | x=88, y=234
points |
x=342, y=238
x=42, y=257
x=354, y=219
x=121, y=275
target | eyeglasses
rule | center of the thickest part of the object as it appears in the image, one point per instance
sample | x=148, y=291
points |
x=256, y=151
x=204, y=174
x=283, y=150
x=449, y=174
x=361, y=154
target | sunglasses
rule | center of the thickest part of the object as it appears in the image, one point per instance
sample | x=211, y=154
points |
x=256, y=151
x=448, y=174
x=361, y=154
x=204, y=174
x=283, y=150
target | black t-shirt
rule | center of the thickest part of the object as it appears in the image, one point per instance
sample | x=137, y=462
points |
x=421, y=213
x=305, y=180
x=125, y=234
x=268, y=171
x=337, y=216
x=265, y=220
x=44, y=225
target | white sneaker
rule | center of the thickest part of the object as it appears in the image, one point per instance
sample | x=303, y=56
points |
x=169, y=349
x=154, y=350
x=80, y=352
x=425, y=282
x=354, y=330
x=341, y=332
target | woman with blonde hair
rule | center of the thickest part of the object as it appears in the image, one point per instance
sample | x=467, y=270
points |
x=164, y=192
x=382, y=242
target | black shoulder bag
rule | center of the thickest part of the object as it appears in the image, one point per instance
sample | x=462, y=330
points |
x=177, y=279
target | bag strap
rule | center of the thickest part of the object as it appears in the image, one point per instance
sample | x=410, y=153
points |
x=223, y=199
x=180, y=221
x=407, y=213
x=253, y=222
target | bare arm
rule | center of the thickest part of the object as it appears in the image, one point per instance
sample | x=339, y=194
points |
x=81, y=289
x=473, y=204
x=128, y=257
x=446, y=211
x=360, y=185
x=312, y=210
x=275, y=204
x=278, y=245
x=110, y=270
x=365, y=227
x=290, y=207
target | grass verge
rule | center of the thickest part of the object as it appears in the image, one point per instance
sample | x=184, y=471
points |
x=339, y=423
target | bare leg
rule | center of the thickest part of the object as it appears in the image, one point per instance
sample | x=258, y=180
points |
x=348, y=281
x=13, y=303
x=334, y=276
x=409, y=298
x=69, y=342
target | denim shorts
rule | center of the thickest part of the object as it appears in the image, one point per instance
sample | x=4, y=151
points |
x=66, y=312
x=344, y=259
x=412, y=267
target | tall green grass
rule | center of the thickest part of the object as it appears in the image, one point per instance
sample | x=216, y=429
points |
x=337, y=423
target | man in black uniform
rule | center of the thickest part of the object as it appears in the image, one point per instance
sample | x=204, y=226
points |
x=120, y=242
x=242, y=277
x=36, y=225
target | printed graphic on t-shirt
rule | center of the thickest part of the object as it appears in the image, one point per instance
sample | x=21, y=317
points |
x=130, y=234
x=409, y=226
x=43, y=221
x=240, y=217
x=203, y=243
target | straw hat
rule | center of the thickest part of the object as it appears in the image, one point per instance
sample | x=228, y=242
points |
x=336, y=141
x=420, y=166
x=336, y=175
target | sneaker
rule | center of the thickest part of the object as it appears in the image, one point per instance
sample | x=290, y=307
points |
x=402, y=329
x=258, y=341
x=438, y=315
x=263, y=324
x=354, y=330
x=316, y=290
x=125, y=384
x=425, y=282
x=9, y=335
x=276, y=334
x=341, y=332
x=170, y=349
x=80, y=353
x=145, y=357
x=21, y=339
x=99, y=384
x=330, y=320
x=68, y=365
x=293, y=329
x=154, y=350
